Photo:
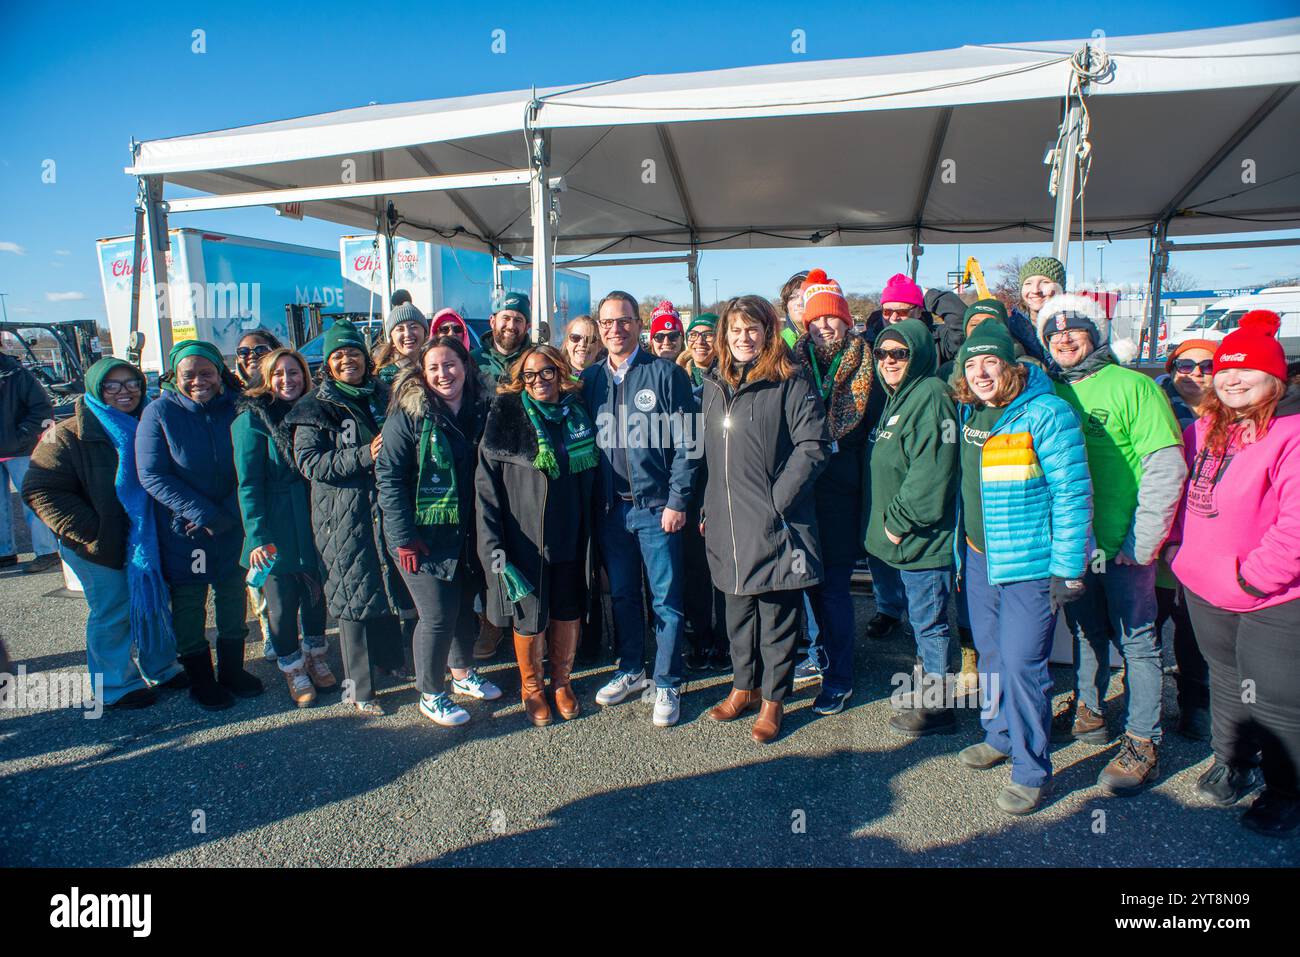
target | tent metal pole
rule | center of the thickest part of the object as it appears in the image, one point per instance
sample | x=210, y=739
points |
x=539, y=193
x=1066, y=164
x=917, y=251
x=159, y=245
x=693, y=276
x=137, y=262
x=1159, y=263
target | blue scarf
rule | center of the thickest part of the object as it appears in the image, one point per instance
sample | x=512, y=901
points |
x=146, y=589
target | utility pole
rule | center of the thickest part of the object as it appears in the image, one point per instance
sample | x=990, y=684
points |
x=1101, y=266
x=4, y=305
x=715, y=292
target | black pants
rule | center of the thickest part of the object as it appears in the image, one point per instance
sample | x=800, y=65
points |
x=1193, y=670
x=706, y=611
x=357, y=640
x=763, y=632
x=445, y=632
x=1254, y=687
x=286, y=596
x=389, y=647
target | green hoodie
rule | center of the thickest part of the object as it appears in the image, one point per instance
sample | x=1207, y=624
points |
x=913, y=461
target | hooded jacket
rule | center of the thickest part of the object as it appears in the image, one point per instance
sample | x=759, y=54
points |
x=913, y=462
x=186, y=462
x=25, y=409
x=397, y=470
x=511, y=497
x=1238, y=527
x=347, y=525
x=1035, y=492
x=765, y=444
x=273, y=495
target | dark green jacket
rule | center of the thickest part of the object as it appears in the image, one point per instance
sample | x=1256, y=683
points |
x=273, y=495
x=913, y=462
x=492, y=364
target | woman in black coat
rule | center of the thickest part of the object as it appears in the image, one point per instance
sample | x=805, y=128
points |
x=425, y=477
x=536, y=466
x=336, y=436
x=765, y=442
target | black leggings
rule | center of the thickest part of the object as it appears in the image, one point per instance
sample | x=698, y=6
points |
x=1193, y=670
x=446, y=630
x=1252, y=656
x=567, y=591
x=286, y=595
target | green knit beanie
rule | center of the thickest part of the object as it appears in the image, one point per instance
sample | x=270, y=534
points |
x=99, y=371
x=343, y=333
x=989, y=338
x=985, y=307
x=708, y=320
x=1048, y=266
x=195, y=347
x=516, y=302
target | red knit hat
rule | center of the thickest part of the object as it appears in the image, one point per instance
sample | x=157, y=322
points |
x=665, y=319
x=822, y=296
x=1253, y=345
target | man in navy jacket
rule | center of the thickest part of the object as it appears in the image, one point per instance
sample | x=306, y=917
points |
x=643, y=411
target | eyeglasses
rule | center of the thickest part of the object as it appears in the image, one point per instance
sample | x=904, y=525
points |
x=245, y=352
x=896, y=313
x=546, y=375
x=577, y=339
x=700, y=337
x=130, y=385
x=898, y=355
x=624, y=322
x=1188, y=366
x=667, y=336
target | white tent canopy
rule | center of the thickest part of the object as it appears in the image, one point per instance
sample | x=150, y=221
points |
x=844, y=151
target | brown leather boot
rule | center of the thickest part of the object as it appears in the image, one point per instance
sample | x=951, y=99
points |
x=528, y=652
x=563, y=637
x=768, y=723
x=735, y=704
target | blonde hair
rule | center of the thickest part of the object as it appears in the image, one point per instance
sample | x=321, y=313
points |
x=267, y=366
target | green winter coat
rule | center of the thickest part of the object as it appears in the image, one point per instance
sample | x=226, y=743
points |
x=913, y=463
x=273, y=495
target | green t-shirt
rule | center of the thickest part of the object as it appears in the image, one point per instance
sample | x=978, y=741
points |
x=1125, y=417
x=973, y=435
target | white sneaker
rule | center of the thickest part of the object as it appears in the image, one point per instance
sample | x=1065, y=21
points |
x=668, y=707
x=475, y=687
x=440, y=709
x=268, y=650
x=622, y=686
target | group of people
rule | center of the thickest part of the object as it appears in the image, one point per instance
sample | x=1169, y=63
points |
x=729, y=472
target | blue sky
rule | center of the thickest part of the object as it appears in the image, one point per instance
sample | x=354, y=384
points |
x=80, y=80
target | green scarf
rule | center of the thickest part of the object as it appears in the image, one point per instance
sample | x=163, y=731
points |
x=437, y=501
x=362, y=398
x=579, y=436
x=824, y=387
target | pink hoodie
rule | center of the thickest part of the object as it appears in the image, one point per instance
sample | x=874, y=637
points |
x=1241, y=514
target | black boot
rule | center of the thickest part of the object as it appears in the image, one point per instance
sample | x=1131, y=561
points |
x=203, y=683
x=882, y=625
x=918, y=722
x=230, y=669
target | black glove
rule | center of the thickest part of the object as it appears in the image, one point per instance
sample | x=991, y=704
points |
x=1066, y=590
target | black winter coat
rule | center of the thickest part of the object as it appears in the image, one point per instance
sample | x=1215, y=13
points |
x=347, y=524
x=25, y=408
x=397, y=472
x=760, y=520
x=511, y=506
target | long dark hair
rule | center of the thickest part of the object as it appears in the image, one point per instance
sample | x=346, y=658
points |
x=774, y=363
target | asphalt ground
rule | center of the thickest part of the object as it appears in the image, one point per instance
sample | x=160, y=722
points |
x=266, y=784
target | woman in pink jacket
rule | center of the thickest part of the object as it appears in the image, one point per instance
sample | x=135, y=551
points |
x=1237, y=554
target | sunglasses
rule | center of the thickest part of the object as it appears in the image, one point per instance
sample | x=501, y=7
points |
x=1188, y=366
x=896, y=313
x=113, y=388
x=448, y=329
x=546, y=375
x=577, y=339
x=667, y=336
x=245, y=352
x=898, y=355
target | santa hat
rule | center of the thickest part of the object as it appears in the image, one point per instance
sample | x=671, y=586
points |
x=1253, y=345
x=665, y=319
x=1072, y=311
x=822, y=296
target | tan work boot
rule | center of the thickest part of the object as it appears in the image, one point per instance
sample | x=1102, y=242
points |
x=301, y=690
x=528, y=652
x=1136, y=766
x=563, y=637
x=318, y=670
x=489, y=639
x=968, y=679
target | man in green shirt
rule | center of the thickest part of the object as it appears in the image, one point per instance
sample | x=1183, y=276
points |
x=1135, y=459
x=509, y=325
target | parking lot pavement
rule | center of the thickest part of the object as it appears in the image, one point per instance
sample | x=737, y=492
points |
x=267, y=784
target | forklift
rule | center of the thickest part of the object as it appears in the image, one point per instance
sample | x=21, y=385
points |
x=57, y=353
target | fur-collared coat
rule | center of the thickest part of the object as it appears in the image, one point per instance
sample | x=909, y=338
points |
x=511, y=505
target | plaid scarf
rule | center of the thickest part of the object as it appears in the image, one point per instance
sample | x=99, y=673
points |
x=579, y=436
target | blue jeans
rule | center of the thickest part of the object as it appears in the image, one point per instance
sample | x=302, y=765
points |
x=927, y=612
x=832, y=607
x=1013, y=627
x=630, y=537
x=43, y=540
x=816, y=651
x=1123, y=598
x=887, y=589
x=108, y=632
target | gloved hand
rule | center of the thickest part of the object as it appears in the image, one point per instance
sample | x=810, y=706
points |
x=1066, y=590
x=409, y=555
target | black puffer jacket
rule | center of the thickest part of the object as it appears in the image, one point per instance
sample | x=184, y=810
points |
x=397, y=472
x=25, y=408
x=764, y=447
x=511, y=506
x=360, y=582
